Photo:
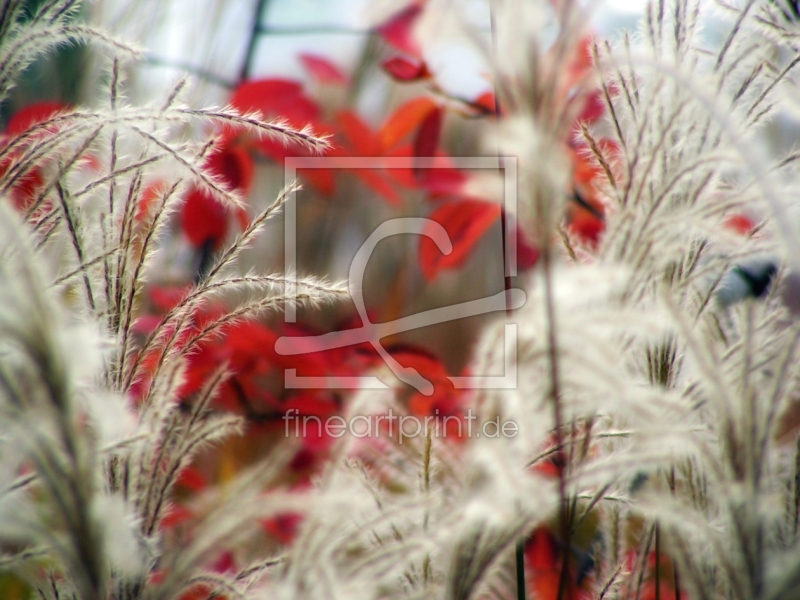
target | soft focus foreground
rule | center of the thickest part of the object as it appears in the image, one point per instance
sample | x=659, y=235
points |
x=225, y=374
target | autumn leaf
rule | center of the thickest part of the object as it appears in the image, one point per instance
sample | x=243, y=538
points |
x=357, y=134
x=31, y=115
x=586, y=227
x=190, y=478
x=361, y=141
x=278, y=98
x=485, y=103
x=25, y=189
x=465, y=222
x=406, y=69
x=593, y=107
x=285, y=99
x=527, y=252
x=398, y=29
x=544, y=561
x=323, y=70
x=427, y=140
x=739, y=223
x=283, y=527
x=405, y=119
x=203, y=219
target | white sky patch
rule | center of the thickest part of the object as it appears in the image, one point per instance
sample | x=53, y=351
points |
x=625, y=6
x=459, y=70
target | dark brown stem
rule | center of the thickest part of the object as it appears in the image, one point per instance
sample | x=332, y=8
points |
x=255, y=30
x=558, y=417
x=658, y=562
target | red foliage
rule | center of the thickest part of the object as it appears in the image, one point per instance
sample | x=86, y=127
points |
x=544, y=561
x=24, y=191
x=465, y=222
x=283, y=527
x=527, y=252
x=405, y=119
x=278, y=99
x=398, y=30
x=31, y=115
x=190, y=478
x=739, y=223
x=323, y=70
x=486, y=102
x=427, y=139
x=405, y=69
x=203, y=219
x=174, y=516
x=586, y=226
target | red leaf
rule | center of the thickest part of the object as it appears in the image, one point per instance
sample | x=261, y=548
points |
x=323, y=70
x=174, y=516
x=321, y=180
x=405, y=69
x=586, y=227
x=427, y=140
x=225, y=563
x=312, y=362
x=739, y=223
x=442, y=181
x=425, y=362
x=283, y=527
x=527, y=253
x=402, y=176
x=544, y=559
x=146, y=324
x=541, y=551
x=264, y=94
x=31, y=115
x=404, y=120
x=585, y=170
x=439, y=178
x=164, y=299
x=233, y=165
x=486, y=103
x=593, y=107
x=26, y=189
x=378, y=183
x=357, y=134
x=465, y=222
x=147, y=199
x=277, y=98
x=363, y=142
x=192, y=479
x=397, y=30
x=582, y=59
x=203, y=219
